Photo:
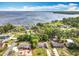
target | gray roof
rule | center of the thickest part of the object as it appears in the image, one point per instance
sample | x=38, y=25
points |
x=1, y=44
x=65, y=26
x=24, y=46
x=57, y=45
x=55, y=39
x=42, y=45
x=27, y=27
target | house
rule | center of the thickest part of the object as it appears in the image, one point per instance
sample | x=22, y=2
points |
x=24, y=50
x=0, y=33
x=27, y=27
x=69, y=42
x=54, y=39
x=4, y=38
x=65, y=26
x=1, y=44
x=42, y=45
x=57, y=45
x=24, y=46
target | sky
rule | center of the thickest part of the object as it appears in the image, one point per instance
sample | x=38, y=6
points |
x=39, y=6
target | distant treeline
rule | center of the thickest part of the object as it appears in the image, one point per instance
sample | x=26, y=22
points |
x=74, y=22
x=66, y=12
x=11, y=28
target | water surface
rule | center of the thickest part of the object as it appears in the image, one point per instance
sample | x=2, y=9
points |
x=31, y=17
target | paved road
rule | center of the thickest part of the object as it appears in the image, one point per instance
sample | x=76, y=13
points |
x=55, y=52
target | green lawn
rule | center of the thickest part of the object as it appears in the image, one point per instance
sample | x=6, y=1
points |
x=2, y=51
x=68, y=52
x=39, y=52
x=10, y=41
x=74, y=52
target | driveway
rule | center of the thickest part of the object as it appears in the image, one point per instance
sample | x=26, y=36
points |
x=48, y=52
x=55, y=52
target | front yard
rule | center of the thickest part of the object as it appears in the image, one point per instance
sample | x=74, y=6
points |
x=9, y=42
x=39, y=52
x=63, y=52
x=74, y=52
x=2, y=50
x=68, y=52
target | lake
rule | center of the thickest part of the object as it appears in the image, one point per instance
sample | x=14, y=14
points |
x=31, y=17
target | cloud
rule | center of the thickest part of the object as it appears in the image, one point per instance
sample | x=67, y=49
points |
x=72, y=4
x=58, y=7
x=72, y=7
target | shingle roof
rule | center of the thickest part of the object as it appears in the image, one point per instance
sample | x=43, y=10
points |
x=42, y=45
x=56, y=44
x=1, y=44
x=24, y=46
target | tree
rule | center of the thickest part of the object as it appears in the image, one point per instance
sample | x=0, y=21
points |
x=34, y=39
x=34, y=43
x=1, y=29
x=44, y=37
x=71, y=21
x=24, y=37
x=19, y=28
x=8, y=27
x=40, y=24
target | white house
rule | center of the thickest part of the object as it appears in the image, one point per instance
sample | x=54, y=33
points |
x=69, y=42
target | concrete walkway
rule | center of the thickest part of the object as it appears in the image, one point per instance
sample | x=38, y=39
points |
x=48, y=52
x=55, y=52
